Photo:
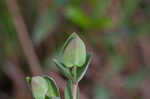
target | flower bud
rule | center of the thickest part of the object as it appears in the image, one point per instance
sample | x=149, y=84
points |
x=74, y=53
x=39, y=87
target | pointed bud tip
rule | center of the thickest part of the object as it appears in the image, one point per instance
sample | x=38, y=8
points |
x=74, y=35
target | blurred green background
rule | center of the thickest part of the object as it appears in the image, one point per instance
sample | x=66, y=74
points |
x=116, y=32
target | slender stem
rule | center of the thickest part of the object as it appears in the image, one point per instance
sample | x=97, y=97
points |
x=75, y=72
x=74, y=90
x=74, y=84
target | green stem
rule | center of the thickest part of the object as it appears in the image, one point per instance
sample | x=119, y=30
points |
x=75, y=73
x=74, y=90
x=74, y=84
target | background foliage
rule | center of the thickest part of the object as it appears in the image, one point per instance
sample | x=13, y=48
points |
x=116, y=32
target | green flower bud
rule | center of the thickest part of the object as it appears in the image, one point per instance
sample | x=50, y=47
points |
x=39, y=87
x=74, y=52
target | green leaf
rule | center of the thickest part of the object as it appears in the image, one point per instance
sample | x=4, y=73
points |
x=52, y=97
x=63, y=69
x=68, y=90
x=82, y=70
x=28, y=81
x=53, y=91
x=74, y=54
x=78, y=17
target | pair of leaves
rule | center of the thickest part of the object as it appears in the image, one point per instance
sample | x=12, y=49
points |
x=49, y=91
x=73, y=60
x=80, y=70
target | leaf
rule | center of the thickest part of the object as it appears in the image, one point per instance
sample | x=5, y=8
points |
x=63, y=69
x=52, y=97
x=55, y=98
x=28, y=79
x=53, y=91
x=82, y=70
x=68, y=90
x=78, y=17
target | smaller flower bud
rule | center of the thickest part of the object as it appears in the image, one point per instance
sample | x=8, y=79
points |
x=39, y=87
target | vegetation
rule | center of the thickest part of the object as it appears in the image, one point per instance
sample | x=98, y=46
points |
x=72, y=62
x=115, y=32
